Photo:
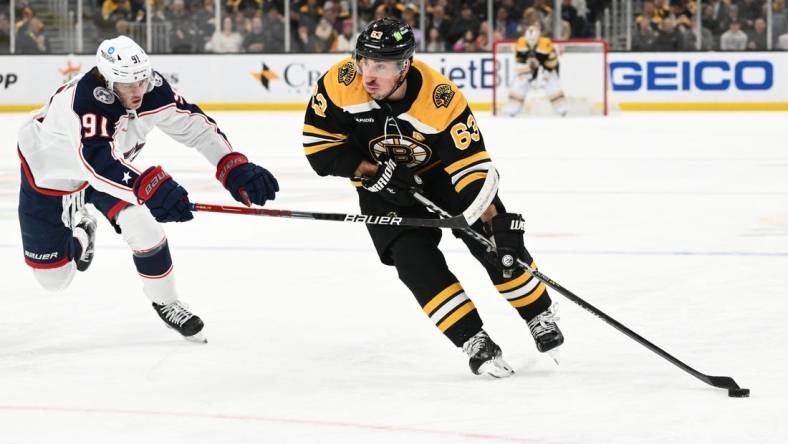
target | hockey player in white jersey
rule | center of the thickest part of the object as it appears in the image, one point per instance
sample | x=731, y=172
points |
x=80, y=148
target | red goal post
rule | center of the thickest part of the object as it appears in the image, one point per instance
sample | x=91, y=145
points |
x=582, y=70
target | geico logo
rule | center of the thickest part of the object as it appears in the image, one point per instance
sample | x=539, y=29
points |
x=707, y=75
x=8, y=79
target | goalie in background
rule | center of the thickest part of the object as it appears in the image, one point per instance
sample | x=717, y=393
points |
x=536, y=65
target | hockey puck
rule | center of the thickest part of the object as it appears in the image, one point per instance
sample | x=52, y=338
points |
x=739, y=393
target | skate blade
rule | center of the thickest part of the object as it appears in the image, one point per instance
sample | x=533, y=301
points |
x=497, y=368
x=198, y=338
x=556, y=355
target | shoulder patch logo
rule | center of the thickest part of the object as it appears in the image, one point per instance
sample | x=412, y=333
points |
x=157, y=80
x=442, y=95
x=347, y=73
x=104, y=95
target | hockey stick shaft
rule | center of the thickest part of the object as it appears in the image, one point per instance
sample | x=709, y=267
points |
x=457, y=222
x=464, y=220
x=725, y=382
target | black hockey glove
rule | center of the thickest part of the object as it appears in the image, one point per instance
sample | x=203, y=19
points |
x=393, y=182
x=247, y=183
x=166, y=200
x=506, y=230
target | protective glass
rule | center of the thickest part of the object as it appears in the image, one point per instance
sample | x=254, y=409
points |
x=131, y=87
x=379, y=68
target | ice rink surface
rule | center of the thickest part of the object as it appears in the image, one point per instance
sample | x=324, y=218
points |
x=674, y=224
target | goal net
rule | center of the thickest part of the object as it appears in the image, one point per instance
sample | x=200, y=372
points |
x=582, y=73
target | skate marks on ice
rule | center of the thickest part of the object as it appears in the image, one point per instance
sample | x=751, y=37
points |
x=659, y=237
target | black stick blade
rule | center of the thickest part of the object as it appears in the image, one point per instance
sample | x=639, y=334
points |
x=726, y=382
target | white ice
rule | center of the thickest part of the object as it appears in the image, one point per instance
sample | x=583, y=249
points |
x=674, y=224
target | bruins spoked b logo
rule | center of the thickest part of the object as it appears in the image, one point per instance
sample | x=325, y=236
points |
x=442, y=95
x=403, y=150
x=347, y=73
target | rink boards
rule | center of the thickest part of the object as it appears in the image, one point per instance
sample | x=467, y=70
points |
x=636, y=81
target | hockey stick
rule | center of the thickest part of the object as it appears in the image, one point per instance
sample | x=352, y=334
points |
x=456, y=222
x=725, y=382
x=464, y=220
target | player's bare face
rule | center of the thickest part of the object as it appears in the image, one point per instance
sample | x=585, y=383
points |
x=379, y=76
x=131, y=93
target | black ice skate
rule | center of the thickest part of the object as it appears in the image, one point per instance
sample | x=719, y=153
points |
x=486, y=356
x=180, y=319
x=88, y=224
x=545, y=331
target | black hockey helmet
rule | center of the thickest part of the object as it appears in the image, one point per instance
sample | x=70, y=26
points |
x=386, y=39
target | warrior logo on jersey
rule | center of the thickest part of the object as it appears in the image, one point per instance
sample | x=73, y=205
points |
x=402, y=149
x=104, y=95
x=442, y=95
x=347, y=73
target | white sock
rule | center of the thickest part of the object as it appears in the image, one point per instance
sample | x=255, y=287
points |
x=82, y=237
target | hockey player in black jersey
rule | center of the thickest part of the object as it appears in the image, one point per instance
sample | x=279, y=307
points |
x=393, y=124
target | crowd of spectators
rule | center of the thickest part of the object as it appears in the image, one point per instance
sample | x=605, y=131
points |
x=726, y=25
x=5, y=32
x=29, y=31
x=318, y=26
x=315, y=25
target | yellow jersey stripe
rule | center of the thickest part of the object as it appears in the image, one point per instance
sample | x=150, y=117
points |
x=321, y=132
x=470, y=178
x=462, y=163
x=427, y=168
x=446, y=293
x=516, y=282
x=463, y=310
x=525, y=300
x=317, y=148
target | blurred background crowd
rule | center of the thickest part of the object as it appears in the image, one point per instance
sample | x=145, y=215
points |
x=310, y=26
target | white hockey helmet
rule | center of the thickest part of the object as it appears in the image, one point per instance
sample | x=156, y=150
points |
x=532, y=35
x=121, y=60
